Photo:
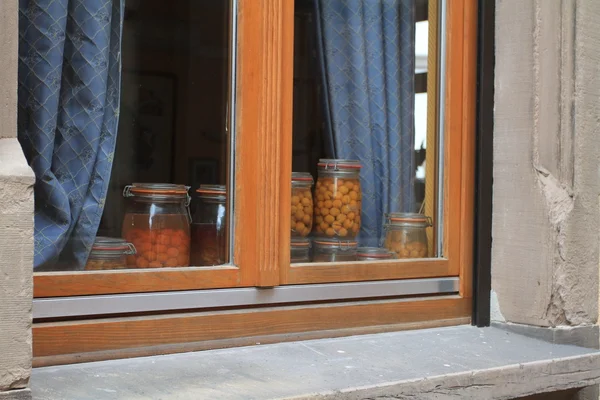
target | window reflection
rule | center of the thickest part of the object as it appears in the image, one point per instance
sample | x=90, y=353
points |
x=358, y=70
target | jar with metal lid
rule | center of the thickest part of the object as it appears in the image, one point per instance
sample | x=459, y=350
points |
x=109, y=253
x=405, y=234
x=209, y=226
x=157, y=222
x=300, y=250
x=334, y=250
x=338, y=199
x=374, y=254
x=302, y=204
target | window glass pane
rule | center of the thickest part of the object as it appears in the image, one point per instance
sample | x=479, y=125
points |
x=360, y=129
x=132, y=130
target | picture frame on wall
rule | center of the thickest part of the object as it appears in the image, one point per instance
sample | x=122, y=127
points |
x=203, y=171
x=149, y=105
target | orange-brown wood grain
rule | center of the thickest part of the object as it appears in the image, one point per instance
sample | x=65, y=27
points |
x=183, y=347
x=263, y=145
x=453, y=133
x=367, y=271
x=77, y=337
x=431, y=170
x=459, y=131
x=56, y=284
x=285, y=185
x=467, y=185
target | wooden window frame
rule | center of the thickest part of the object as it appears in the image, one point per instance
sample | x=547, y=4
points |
x=458, y=179
x=262, y=194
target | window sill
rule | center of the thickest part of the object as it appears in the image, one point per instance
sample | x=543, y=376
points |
x=454, y=362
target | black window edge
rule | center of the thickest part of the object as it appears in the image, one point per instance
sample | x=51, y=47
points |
x=482, y=277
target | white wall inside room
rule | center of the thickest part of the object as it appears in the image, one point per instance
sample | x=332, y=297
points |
x=421, y=49
x=421, y=46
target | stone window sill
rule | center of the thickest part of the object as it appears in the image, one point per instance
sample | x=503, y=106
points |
x=456, y=362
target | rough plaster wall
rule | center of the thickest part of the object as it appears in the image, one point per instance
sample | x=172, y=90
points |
x=9, y=38
x=16, y=219
x=587, y=120
x=546, y=159
x=16, y=265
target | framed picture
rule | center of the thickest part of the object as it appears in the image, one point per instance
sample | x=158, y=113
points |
x=148, y=107
x=203, y=171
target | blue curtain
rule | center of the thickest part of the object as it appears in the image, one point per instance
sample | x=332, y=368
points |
x=367, y=54
x=69, y=90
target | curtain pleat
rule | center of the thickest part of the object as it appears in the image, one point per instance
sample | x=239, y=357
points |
x=69, y=91
x=367, y=54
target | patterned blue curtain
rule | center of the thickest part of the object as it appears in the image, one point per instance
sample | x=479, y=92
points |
x=69, y=84
x=367, y=53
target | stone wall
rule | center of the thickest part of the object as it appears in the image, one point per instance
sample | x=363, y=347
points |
x=9, y=42
x=546, y=163
x=16, y=222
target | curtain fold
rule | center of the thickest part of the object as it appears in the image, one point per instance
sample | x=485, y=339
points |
x=69, y=91
x=367, y=54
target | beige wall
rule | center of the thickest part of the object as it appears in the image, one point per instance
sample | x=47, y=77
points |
x=16, y=219
x=9, y=40
x=16, y=265
x=546, y=162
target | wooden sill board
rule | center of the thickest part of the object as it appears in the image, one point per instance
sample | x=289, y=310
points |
x=110, y=338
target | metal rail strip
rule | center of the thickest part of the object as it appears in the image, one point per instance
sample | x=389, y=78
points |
x=79, y=306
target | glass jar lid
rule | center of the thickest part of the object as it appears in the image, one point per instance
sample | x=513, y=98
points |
x=339, y=164
x=336, y=244
x=300, y=243
x=302, y=177
x=375, y=252
x=158, y=191
x=212, y=192
x=414, y=220
x=108, y=247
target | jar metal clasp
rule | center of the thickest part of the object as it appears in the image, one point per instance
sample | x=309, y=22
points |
x=131, y=249
x=127, y=191
x=188, y=201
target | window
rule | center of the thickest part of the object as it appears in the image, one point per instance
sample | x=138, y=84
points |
x=337, y=168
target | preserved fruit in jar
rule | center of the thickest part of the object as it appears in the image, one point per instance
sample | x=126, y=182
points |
x=109, y=253
x=302, y=204
x=209, y=227
x=157, y=222
x=300, y=250
x=334, y=250
x=405, y=234
x=374, y=254
x=338, y=199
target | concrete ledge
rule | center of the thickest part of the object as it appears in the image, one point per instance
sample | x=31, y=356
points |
x=20, y=394
x=584, y=336
x=443, y=363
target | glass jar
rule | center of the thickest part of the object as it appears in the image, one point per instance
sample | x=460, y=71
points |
x=334, y=250
x=302, y=204
x=374, y=254
x=405, y=234
x=338, y=199
x=209, y=226
x=109, y=253
x=157, y=222
x=300, y=250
